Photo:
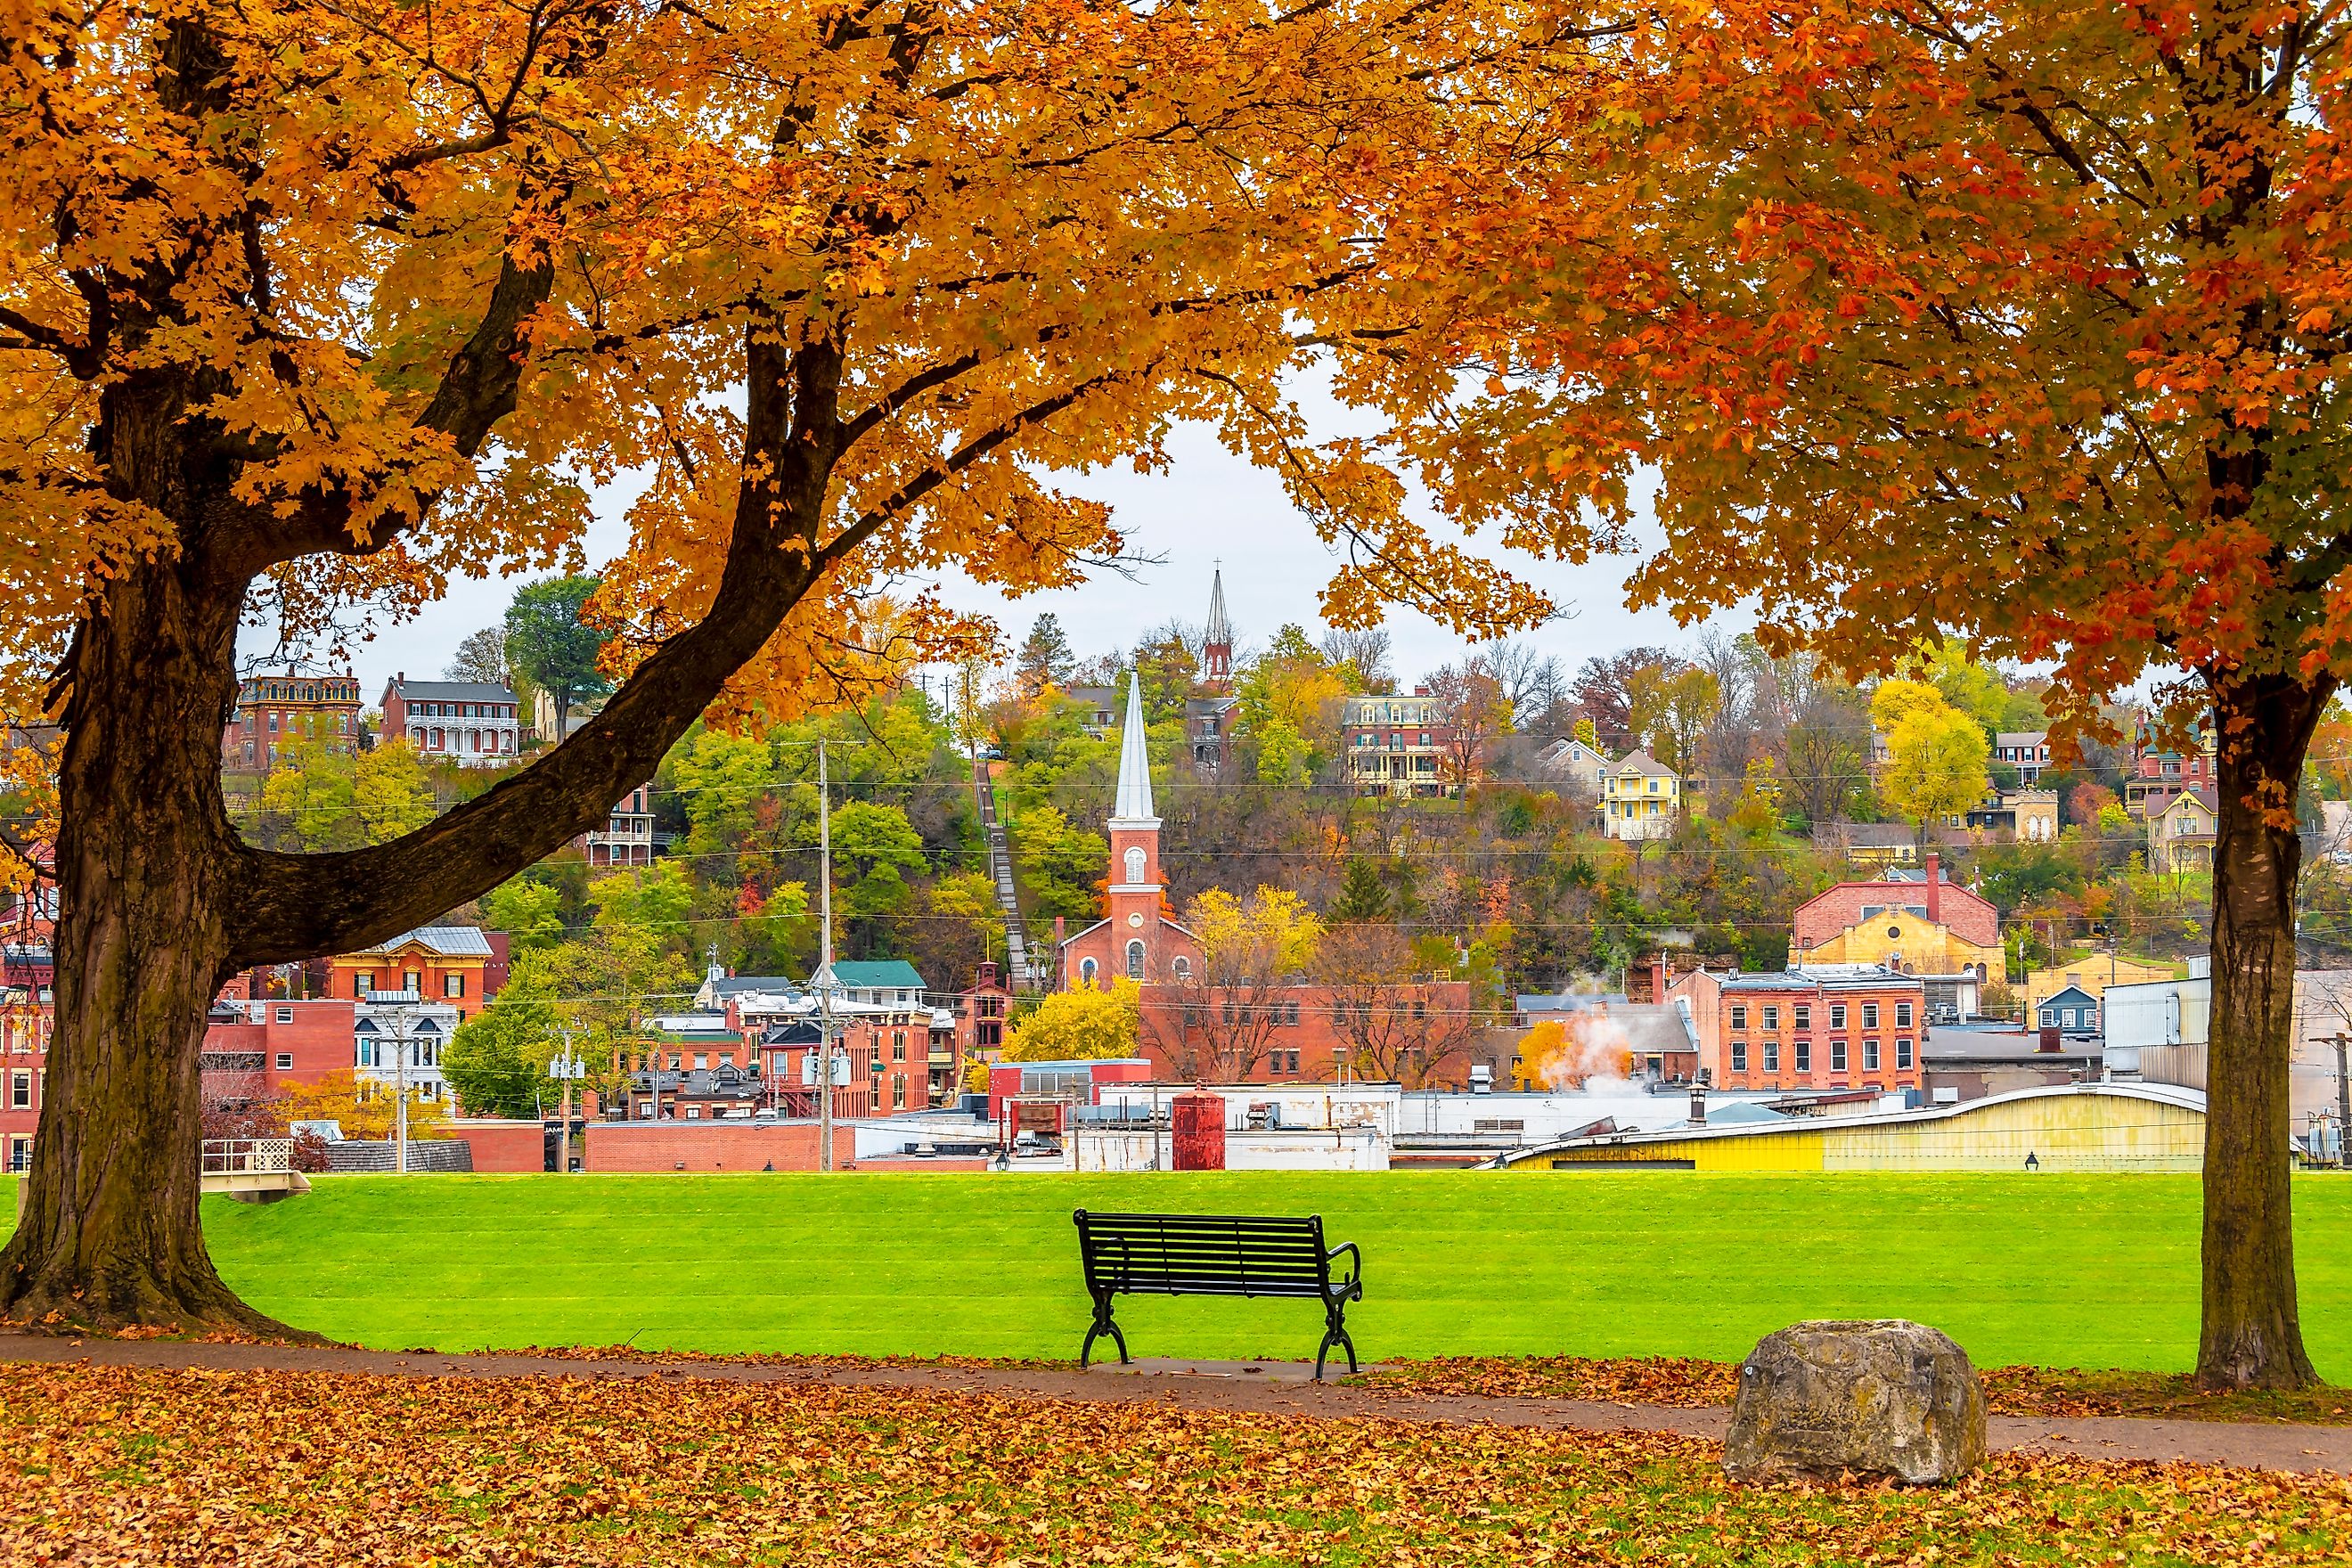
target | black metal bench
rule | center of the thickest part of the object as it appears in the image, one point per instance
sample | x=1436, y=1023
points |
x=1215, y=1255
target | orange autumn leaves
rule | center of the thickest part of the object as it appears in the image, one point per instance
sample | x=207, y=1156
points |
x=108, y=1465
x=2017, y=319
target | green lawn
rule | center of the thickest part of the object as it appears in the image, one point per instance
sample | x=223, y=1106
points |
x=2057, y=1270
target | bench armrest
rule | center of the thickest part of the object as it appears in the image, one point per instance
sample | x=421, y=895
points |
x=1356, y=1268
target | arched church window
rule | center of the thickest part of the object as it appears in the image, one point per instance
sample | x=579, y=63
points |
x=1135, y=960
x=1184, y=967
x=1135, y=864
x=1085, y=971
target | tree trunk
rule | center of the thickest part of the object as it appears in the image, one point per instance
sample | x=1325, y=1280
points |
x=110, y=1234
x=2252, y=1336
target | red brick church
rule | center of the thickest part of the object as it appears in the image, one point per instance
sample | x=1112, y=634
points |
x=1136, y=941
x=1414, y=1030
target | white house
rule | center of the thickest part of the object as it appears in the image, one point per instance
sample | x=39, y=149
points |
x=1576, y=761
x=380, y=1032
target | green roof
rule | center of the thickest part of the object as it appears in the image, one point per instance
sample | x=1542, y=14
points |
x=876, y=974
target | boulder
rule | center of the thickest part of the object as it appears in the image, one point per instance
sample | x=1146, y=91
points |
x=1871, y=1398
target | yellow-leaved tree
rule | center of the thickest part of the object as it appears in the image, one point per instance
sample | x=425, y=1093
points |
x=1086, y=1023
x=1935, y=753
x=308, y=306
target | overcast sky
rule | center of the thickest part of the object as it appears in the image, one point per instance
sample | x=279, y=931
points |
x=1209, y=507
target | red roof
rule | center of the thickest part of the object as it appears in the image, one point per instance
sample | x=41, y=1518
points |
x=1847, y=904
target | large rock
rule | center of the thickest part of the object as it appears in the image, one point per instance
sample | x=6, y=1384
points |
x=1874, y=1398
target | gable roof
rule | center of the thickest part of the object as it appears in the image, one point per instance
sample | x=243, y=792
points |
x=1639, y=761
x=2079, y=997
x=2200, y=793
x=881, y=973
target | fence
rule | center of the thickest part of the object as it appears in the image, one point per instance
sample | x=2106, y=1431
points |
x=247, y=1156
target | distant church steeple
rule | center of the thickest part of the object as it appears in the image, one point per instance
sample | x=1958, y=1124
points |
x=1134, y=888
x=1217, y=642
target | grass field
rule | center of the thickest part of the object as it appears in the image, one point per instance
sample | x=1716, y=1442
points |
x=2054, y=1270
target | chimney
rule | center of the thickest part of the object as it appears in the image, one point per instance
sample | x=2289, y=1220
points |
x=1935, y=891
x=400, y=677
x=2049, y=1042
x=1698, y=1105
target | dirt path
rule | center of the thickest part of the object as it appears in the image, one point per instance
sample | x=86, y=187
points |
x=1240, y=1387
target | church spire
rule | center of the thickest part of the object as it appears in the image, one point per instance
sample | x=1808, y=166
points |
x=1134, y=765
x=1217, y=641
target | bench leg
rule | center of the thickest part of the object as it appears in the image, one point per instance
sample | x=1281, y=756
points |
x=1335, y=1333
x=1102, y=1325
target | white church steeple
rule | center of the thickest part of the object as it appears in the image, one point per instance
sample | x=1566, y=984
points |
x=1133, y=806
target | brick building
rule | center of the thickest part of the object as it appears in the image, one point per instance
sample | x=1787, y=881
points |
x=1194, y=1032
x=273, y=711
x=2159, y=775
x=628, y=836
x=264, y=1047
x=28, y=1014
x=1921, y=923
x=1395, y=745
x=441, y=963
x=1828, y=1028
x=471, y=723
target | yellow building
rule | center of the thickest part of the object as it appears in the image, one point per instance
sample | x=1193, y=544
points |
x=2092, y=976
x=1640, y=798
x=1911, y=941
x=2076, y=1127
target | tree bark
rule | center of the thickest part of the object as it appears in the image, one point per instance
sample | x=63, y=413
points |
x=110, y=1234
x=2252, y=1336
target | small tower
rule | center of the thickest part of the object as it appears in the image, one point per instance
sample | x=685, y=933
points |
x=1217, y=642
x=1134, y=890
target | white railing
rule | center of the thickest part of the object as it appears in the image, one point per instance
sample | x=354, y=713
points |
x=247, y=1156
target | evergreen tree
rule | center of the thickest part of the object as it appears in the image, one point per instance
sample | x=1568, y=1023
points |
x=1363, y=898
x=548, y=643
x=1044, y=659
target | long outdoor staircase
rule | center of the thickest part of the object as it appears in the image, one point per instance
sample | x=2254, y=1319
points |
x=1022, y=969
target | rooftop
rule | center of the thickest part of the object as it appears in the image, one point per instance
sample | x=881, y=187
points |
x=876, y=974
x=450, y=690
x=444, y=941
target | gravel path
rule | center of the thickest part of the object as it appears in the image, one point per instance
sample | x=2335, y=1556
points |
x=1242, y=1386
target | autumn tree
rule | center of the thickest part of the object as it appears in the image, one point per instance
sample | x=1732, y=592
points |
x=1290, y=698
x=481, y=659
x=1603, y=693
x=1086, y=1023
x=2018, y=323
x=1472, y=711
x=1216, y=1019
x=1935, y=753
x=308, y=307
x=1396, y=1028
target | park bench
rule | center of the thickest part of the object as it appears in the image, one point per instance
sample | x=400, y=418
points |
x=1216, y=1254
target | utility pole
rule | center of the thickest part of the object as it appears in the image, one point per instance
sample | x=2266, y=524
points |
x=824, y=967
x=400, y=1006
x=400, y=1093
x=2343, y=1103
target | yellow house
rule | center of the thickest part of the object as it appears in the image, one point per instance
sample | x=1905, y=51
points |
x=2072, y=1127
x=1905, y=939
x=2092, y=976
x=2180, y=836
x=1640, y=798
